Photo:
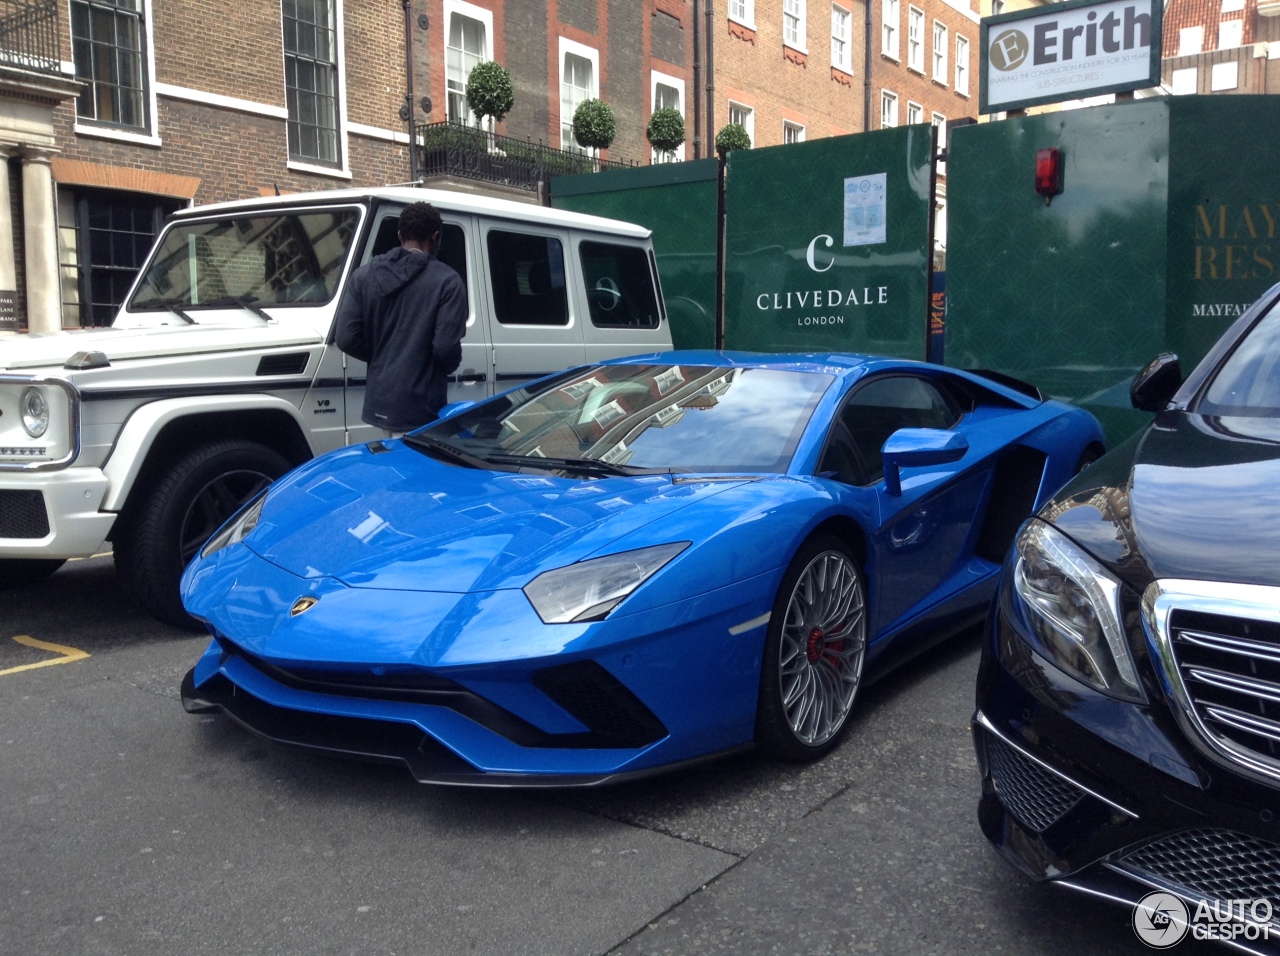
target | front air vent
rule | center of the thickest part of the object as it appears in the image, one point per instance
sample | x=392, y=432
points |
x=601, y=702
x=22, y=515
x=291, y=363
x=1034, y=796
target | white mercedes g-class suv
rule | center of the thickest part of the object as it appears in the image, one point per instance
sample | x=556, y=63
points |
x=220, y=372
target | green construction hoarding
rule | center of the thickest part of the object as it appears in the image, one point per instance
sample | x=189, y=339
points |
x=1164, y=232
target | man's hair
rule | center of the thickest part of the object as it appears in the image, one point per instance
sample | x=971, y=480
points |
x=419, y=221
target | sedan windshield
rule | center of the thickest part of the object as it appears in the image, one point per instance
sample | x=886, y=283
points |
x=635, y=419
x=1248, y=383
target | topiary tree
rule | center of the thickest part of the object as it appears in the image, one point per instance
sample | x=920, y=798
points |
x=732, y=136
x=489, y=90
x=593, y=124
x=666, y=130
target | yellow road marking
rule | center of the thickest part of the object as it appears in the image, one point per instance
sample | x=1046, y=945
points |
x=68, y=654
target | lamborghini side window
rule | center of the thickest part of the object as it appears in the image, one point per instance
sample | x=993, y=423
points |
x=874, y=412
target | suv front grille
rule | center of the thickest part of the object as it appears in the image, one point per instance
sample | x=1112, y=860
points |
x=1210, y=864
x=1036, y=797
x=22, y=515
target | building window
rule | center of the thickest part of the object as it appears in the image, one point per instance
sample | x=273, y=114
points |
x=915, y=39
x=962, y=65
x=108, y=43
x=1184, y=81
x=888, y=109
x=940, y=124
x=915, y=113
x=1190, y=40
x=841, y=39
x=997, y=7
x=1232, y=6
x=667, y=92
x=792, y=132
x=793, y=25
x=1224, y=76
x=577, y=83
x=744, y=11
x=745, y=117
x=466, y=44
x=939, y=52
x=1230, y=34
x=103, y=238
x=311, y=80
x=891, y=13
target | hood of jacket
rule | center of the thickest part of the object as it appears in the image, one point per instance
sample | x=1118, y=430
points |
x=392, y=271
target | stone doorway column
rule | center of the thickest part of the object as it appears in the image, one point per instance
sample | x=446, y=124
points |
x=8, y=267
x=40, y=230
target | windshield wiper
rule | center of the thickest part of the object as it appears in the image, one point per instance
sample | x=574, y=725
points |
x=591, y=466
x=444, y=449
x=244, y=301
x=169, y=305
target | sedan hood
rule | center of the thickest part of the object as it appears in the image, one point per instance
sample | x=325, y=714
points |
x=397, y=519
x=1194, y=497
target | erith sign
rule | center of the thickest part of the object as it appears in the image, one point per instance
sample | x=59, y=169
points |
x=1069, y=50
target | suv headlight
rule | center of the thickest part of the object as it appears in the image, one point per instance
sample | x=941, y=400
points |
x=589, y=590
x=1073, y=607
x=35, y=412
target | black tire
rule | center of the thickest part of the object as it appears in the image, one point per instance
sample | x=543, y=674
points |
x=19, y=572
x=826, y=660
x=188, y=502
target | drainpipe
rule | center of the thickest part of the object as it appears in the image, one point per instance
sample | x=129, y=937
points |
x=697, y=91
x=711, y=81
x=408, y=99
x=866, y=70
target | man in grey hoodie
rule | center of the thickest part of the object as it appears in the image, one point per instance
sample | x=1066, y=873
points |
x=404, y=313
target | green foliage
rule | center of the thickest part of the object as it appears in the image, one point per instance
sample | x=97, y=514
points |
x=732, y=136
x=666, y=129
x=593, y=124
x=489, y=90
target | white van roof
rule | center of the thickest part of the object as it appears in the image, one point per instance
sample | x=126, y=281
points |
x=443, y=199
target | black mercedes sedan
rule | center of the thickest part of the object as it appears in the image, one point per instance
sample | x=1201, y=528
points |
x=1128, y=697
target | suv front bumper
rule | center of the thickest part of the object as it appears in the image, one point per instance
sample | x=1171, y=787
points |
x=53, y=514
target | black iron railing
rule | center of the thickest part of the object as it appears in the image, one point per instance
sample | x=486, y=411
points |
x=451, y=149
x=29, y=35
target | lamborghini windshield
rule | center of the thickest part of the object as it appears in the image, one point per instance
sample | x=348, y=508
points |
x=266, y=258
x=637, y=419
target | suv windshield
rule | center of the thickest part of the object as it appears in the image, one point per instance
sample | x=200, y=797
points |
x=1248, y=383
x=268, y=258
x=639, y=418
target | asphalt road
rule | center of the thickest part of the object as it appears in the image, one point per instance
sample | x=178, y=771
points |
x=129, y=827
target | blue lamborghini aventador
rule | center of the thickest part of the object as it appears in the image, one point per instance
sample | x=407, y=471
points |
x=625, y=567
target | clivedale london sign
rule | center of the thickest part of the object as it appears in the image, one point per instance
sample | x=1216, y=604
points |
x=1069, y=50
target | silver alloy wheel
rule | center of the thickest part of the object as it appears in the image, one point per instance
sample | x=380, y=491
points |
x=824, y=639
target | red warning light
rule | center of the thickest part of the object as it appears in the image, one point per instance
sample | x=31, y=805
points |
x=1048, y=172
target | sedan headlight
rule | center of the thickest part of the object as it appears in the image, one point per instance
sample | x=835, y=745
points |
x=1073, y=608
x=35, y=412
x=238, y=528
x=589, y=590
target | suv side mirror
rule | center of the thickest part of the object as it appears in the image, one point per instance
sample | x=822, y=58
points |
x=913, y=447
x=1154, y=387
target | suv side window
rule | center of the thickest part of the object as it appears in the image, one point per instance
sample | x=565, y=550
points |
x=528, y=278
x=871, y=414
x=619, y=286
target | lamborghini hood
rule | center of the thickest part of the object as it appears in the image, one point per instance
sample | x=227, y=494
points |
x=400, y=520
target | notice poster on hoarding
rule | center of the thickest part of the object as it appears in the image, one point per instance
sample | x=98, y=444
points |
x=866, y=210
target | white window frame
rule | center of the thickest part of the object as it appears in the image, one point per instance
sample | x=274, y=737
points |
x=1184, y=81
x=678, y=85
x=339, y=38
x=915, y=39
x=750, y=124
x=915, y=113
x=1232, y=6
x=472, y=12
x=940, y=52
x=748, y=17
x=842, y=36
x=587, y=53
x=962, y=65
x=1224, y=76
x=800, y=14
x=997, y=7
x=1191, y=40
x=1230, y=34
x=794, y=130
x=888, y=109
x=152, y=137
x=890, y=25
x=939, y=121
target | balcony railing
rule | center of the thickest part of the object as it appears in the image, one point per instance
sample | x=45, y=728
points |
x=451, y=149
x=29, y=35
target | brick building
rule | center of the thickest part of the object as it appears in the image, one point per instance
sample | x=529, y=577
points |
x=1221, y=46
x=115, y=112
